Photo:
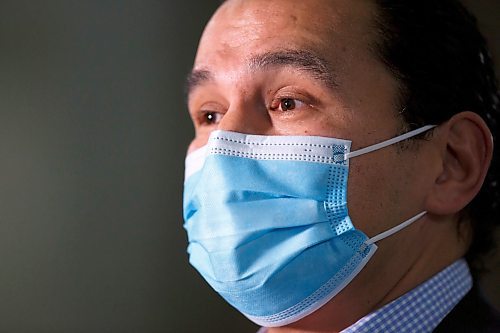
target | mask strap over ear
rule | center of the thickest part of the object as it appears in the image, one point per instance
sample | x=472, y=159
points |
x=389, y=142
x=395, y=229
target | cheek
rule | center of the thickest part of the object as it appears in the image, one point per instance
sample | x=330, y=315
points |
x=374, y=194
x=198, y=142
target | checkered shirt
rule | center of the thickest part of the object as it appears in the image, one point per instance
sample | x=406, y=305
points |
x=421, y=309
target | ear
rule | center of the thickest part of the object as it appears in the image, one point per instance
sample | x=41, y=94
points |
x=466, y=148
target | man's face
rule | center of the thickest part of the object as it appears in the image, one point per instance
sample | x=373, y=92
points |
x=287, y=67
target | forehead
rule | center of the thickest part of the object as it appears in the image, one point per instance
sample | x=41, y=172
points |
x=240, y=29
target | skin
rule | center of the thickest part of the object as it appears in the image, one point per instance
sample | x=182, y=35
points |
x=239, y=84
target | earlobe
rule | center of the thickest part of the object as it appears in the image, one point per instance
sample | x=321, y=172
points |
x=466, y=149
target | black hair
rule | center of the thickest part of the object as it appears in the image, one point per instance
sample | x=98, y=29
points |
x=441, y=60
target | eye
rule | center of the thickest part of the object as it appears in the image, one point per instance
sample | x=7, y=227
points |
x=211, y=117
x=286, y=104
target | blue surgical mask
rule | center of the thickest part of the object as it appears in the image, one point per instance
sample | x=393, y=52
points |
x=268, y=224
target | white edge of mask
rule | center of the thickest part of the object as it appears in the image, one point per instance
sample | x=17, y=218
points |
x=194, y=161
x=312, y=148
x=318, y=304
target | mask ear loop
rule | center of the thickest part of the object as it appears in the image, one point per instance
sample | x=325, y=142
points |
x=389, y=142
x=395, y=229
x=381, y=145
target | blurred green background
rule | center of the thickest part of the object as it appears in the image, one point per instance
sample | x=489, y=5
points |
x=93, y=132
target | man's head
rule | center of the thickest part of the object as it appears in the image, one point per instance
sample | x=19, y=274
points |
x=347, y=69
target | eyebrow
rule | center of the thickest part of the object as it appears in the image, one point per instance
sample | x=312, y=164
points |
x=300, y=60
x=197, y=78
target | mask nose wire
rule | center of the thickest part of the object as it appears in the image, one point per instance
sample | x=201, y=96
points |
x=389, y=142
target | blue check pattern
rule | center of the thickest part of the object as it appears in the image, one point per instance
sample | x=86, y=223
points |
x=421, y=309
